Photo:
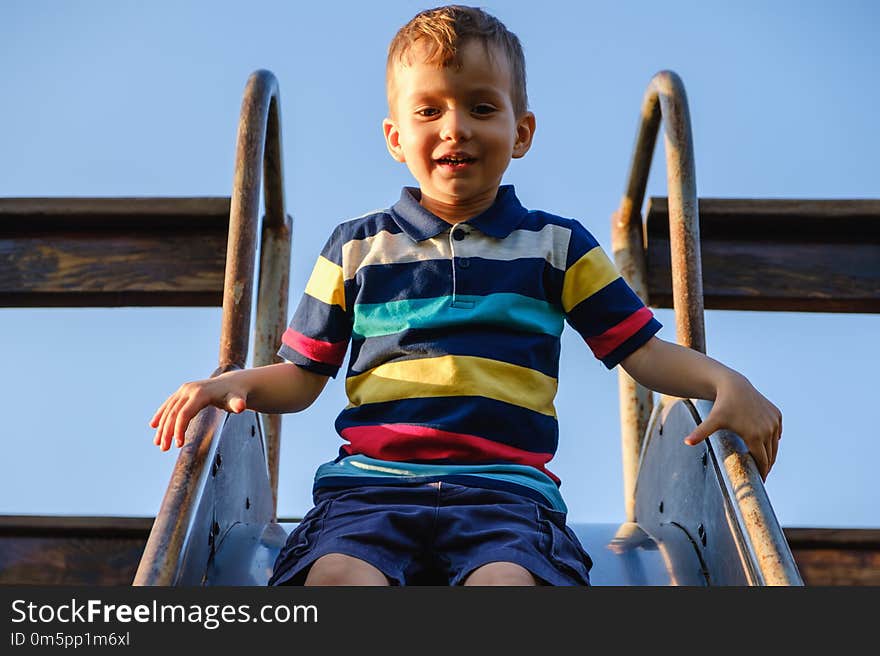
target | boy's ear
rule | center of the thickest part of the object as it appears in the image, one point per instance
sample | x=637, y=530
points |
x=392, y=139
x=525, y=131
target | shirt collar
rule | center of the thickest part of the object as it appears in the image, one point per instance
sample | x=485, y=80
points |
x=499, y=220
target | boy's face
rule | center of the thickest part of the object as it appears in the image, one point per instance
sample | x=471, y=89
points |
x=456, y=129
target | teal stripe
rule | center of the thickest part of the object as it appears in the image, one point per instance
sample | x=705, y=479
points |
x=511, y=311
x=361, y=466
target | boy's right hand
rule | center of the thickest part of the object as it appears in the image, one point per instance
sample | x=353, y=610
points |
x=173, y=416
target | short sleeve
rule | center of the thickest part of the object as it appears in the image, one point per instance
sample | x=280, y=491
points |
x=600, y=305
x=319, y=331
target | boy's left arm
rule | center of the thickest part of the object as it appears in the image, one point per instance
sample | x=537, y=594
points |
x=682, y=372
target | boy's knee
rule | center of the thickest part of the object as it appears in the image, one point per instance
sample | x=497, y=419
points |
x=340, y=569
x=501, y=573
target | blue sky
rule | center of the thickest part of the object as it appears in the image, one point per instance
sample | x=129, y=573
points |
x=128, y=98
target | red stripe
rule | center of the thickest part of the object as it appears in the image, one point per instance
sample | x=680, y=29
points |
x=314, y=349
x=605, y=343
x=402, y=442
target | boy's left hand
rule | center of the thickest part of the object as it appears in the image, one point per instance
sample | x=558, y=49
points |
x=739, y=407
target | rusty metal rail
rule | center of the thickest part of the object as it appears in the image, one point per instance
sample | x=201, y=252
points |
x=258, y=163
x=665, y=100
x=258, y=155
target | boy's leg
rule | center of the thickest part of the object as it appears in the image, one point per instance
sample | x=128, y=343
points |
x=365, y=535
x=496, y=537
x=340, y=569
x=501, y=573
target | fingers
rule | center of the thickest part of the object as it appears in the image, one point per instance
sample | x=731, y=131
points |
x=154, y=422
x=160, y=428
x=167, y=419
x=174, y=415
x=185, y=412
x=772, y=445
x=166, y=428
x=763, y=461
x=703, y=430
x=236, y=404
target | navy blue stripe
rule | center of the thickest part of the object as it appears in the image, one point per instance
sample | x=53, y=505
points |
x=525, y=276
x=308, y=364
x=580, y=243
x=604, y=309
x=333, y=248
x=536, y=351
x=318, y=320
x=382, y=283
x=473, y=415
x=368, y=226
x=632, y=344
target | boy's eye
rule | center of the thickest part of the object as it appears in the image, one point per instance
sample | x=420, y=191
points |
x=428, y=112
x=484, y=109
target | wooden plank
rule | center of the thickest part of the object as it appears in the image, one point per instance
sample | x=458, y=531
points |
x=828, y=556
x=112, y=251
x=70, y=550
x=69, y=561
x=776, y=254
x=833, y=538
x=159, y=212
x=75, y=525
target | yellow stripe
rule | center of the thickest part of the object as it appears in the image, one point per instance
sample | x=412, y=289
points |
x=326, y=284
x=385, y=470
x=454, y=375
x=587, y=276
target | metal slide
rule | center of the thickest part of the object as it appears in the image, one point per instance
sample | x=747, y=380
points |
x=694, y=516
x=698, y=522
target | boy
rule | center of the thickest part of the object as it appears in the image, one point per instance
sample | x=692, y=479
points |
x=453, y=301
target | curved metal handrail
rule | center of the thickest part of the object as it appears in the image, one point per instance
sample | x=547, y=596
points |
x=258, y=151
x=664, y=99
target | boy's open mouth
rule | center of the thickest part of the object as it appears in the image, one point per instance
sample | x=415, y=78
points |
x=456, y=160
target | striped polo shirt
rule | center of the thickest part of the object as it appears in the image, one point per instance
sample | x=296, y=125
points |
x=455, y=339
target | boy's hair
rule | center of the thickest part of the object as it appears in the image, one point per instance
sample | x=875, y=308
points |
x=443, y=30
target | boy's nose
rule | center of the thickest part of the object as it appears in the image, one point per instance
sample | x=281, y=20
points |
x=456, y=126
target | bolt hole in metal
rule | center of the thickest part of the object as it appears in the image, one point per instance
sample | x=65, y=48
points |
x=661, y=429
x=253, y=430
x=247, y=503
x=661, y=507
x=702, y=533
x=218, y=461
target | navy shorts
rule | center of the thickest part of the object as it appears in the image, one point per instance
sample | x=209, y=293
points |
x=433, y=534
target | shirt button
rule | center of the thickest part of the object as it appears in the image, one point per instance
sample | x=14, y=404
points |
x=464, y=263
x=458, y=234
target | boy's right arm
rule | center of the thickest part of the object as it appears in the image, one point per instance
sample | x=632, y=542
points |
x=274, y=388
